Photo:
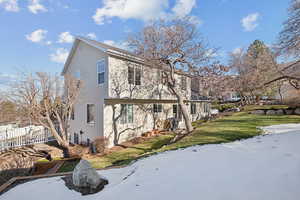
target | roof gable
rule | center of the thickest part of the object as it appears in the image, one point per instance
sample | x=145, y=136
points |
x=100, y=46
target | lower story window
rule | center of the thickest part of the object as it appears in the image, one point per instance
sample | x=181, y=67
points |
x=157, y=108
x=126, y=113
x=76, y=138
x=206, y=108
x=90, y=113
x=193, y=108
x=177, y=112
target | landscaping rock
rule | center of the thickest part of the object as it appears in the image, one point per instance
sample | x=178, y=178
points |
x=279, y=112
x=289, y=111
x=297, y=111
x=86, y=179
x=271, y=112
x=258, y=112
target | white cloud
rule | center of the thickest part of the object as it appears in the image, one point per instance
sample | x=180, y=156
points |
x=91, y=36
x=250, y=22
x=65, y=37
x=60, y=55
x=195, y=20
x=237, y=51
x=10, y=5
x=35, y=7
x=37, y=36
x=183, y=7
x=121, y=45
x=143, y=10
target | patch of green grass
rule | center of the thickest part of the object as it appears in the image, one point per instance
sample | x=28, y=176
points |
x=44, y=160
x=68, y=166
x=127, y=155
x=226, y=129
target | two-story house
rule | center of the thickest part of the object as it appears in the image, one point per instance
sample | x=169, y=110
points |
x=121, y=96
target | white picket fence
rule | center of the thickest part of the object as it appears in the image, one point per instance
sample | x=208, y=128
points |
x=11, y=137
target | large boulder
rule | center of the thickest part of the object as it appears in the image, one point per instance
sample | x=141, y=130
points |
x=289, y=111
x=297, y=111
x=279, y=112
x=86, y=179
x=258, y=112
x=271, y=112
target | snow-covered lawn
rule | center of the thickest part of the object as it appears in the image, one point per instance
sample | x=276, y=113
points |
x=264, y=167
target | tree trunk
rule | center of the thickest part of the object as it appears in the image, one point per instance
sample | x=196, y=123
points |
x=115, y=128
x=185, y=114
x=61, y=142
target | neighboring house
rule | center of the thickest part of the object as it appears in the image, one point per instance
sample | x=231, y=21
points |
x=230, y=96
x=286, y=92
x=121, y=96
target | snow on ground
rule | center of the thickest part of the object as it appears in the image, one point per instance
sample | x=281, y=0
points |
x=264, y=167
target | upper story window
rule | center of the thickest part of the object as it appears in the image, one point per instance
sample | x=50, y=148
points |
x=183, y=83
x=77, y=74
x=126, y=113
x=134, y=75
x=157, y=108
x=91, y=113
x=161, y=79
x=101, y=71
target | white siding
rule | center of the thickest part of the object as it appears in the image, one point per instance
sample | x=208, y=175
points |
x=84, y=60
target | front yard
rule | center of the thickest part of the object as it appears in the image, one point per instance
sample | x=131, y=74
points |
x=222, y=130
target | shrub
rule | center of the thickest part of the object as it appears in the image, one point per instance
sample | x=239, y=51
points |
x=224, y=107
x=101, y=144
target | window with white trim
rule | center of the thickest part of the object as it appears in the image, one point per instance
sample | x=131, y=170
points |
x=177, y=112
x=157, y=108
x=134, y=75
x=193, y=108
x=90, y=112
x=126, y=113
x=101, y=71
x=183, y=83
x=77, y=74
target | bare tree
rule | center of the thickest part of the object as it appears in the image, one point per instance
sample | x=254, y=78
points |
x=48, y=101
x=170, y=46
x=214, y=80
x=289, y=37
x=252, y=69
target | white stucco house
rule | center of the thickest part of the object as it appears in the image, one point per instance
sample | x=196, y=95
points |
x=115, y=80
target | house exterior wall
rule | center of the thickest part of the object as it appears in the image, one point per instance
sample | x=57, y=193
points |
x=144, y=119
x=84, y=61
x=151, y=87
x=288, y=94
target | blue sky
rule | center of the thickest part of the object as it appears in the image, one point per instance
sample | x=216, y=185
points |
x=36, y=35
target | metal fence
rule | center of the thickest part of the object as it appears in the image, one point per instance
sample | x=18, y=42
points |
x=13, y=138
